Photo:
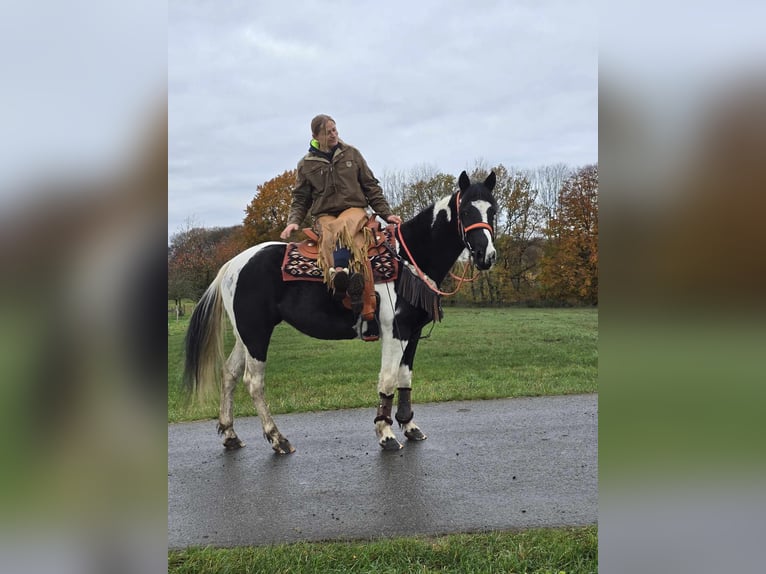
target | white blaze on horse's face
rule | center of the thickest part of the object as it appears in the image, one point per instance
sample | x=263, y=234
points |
x=489, y=252
x=484, y=255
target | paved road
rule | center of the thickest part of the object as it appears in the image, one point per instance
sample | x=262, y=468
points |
x=500, y=464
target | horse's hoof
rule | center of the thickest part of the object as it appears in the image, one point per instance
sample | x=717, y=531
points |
x=233, y=443
x=283, y=447
x=390, y=443
x=415, y=434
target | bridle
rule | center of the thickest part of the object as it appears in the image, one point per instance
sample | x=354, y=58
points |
x=463, y=230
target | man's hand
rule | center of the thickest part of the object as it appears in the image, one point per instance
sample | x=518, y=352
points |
x=394, y=219
x=288, y=230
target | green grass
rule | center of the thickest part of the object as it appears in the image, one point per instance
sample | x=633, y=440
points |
x=549, y=551
x=471, y=354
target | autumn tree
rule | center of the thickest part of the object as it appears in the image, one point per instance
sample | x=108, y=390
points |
x=179, y=283
x=519, y=231
x=266, y=215
x=194, y=256
x=230, y=245
x=569, y=269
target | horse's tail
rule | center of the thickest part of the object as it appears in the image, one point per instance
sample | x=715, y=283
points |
x=203, y=369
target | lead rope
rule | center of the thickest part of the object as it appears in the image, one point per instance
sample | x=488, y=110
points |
x=388, y=291
x=423, y=276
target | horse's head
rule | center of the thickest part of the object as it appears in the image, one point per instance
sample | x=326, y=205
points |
x=476, y=218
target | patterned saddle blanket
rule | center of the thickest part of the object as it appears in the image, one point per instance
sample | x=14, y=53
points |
x=300, y=262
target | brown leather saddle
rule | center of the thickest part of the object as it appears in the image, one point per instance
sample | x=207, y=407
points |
x=300, y=261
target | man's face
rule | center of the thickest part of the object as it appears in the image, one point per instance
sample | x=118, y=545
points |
x=328, y=135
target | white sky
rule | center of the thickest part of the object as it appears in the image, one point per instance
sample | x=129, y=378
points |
x=410, y=83
x=445, y=84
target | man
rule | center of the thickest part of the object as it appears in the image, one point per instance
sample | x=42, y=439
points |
x=336, y=186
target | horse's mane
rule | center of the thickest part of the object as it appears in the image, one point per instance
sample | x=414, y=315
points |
x=427, y=215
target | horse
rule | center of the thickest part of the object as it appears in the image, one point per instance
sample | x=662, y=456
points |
x=251, y=290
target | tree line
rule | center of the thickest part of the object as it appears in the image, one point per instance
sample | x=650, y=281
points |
x=546, y=234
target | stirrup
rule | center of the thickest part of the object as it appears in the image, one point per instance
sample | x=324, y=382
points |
x=372, y=333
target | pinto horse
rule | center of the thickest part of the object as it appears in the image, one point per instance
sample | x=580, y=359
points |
x=251, y=290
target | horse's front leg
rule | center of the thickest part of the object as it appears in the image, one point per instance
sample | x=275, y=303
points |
x=254, y=377
x=404, y=412
x=387, y=381
x=405, y=415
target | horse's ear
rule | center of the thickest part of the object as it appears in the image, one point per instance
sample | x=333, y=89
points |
x=463, y=181
x=489, y=183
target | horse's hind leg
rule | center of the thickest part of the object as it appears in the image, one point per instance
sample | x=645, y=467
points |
x=254, y=376
x=235, y=366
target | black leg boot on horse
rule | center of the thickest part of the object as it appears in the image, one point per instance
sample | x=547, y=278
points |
x=405, y=414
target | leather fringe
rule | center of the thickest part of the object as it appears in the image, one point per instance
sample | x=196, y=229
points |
x=417, y=293
x=358, y=260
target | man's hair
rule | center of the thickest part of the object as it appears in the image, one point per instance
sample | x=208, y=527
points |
x=318, y=123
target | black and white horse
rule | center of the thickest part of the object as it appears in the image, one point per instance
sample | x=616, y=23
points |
x=251, y=290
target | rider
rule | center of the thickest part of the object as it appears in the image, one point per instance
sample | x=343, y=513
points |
x=336, y=185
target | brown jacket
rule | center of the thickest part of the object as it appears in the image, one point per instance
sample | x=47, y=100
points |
x=327, y=188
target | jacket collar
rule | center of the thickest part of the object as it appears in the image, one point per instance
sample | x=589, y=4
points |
x=312, y=155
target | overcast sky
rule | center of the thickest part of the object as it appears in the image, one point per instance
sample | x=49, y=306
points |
x=409, y=83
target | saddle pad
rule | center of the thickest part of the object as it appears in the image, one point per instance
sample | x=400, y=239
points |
x=298, y=267
x=385, y=266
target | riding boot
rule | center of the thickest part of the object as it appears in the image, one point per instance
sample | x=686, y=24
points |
x=339, y=281
x=355, y=291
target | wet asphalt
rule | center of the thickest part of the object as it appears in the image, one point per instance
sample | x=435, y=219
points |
x=487, y=465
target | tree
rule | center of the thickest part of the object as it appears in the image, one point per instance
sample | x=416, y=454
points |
x=229, y=245
x=519, y=231
x=266, y=215
x=569, y=269
x=194, y=256
x=547, y=180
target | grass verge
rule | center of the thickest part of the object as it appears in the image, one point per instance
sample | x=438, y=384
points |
x=539, y=551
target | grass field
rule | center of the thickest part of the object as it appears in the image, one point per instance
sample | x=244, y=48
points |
x=539, y=551
x=471, y=354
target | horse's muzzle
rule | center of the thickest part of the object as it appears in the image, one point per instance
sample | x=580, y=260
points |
x=484, y=260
